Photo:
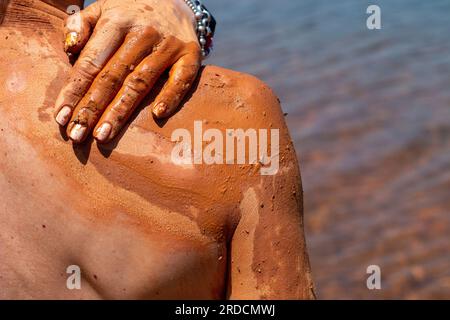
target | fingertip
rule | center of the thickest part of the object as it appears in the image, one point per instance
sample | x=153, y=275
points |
x=63, y=115
x=77, y=133
x=71, y=41
x=103, y=132
x=77, y=30
x=160, y=110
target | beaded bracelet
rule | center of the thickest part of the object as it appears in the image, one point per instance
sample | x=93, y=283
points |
x=206, y=25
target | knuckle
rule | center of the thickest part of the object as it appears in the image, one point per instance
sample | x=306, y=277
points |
x=87, y=68
x=185, y=75
x=191, y=69
x=138, y=83
x=118, y=111
x=88, y=113
x=193, y=50
x=117, y=22
x=110, y=77
x=83, y=116
x=170, y=47
x=73, y=91
x=121, y=21
x=92, y=107
x=117, y=114
x=73, y=94
x=148, y=70
x=148, y=31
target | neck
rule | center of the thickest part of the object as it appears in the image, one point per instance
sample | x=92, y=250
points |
x=40, y=14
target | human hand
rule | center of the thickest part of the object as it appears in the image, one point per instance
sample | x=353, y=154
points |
x=125, y=48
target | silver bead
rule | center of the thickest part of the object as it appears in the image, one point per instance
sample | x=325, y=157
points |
x=205, y=22
x=201, y=28
x=198, y=15
x=202, y=41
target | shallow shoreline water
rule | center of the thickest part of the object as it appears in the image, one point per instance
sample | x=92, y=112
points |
x=369, y=113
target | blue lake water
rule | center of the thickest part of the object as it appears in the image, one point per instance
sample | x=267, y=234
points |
x=369, y=112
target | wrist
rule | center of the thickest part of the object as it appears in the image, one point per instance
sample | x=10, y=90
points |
x=205, y=25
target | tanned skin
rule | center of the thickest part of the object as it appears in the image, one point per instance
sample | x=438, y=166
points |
x=138, y=225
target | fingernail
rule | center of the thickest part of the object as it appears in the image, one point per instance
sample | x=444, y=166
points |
x=71, y=39
x=77, y=132
x=103, y=132
x=160, y=109
x=63, y=116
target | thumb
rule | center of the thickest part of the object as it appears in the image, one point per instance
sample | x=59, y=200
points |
x=79, y=25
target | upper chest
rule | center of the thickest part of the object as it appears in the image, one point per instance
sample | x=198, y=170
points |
x=135, y=176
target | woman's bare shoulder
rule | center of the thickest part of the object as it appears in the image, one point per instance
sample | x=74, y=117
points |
x=223, y=99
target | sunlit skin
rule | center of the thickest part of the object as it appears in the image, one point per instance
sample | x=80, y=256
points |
x=138, y=225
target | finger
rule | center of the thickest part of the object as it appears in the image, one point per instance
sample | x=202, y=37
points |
x=182, y=75
x=137, y=85
x=79, y=25
x=102, y=45
x=107, y=84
